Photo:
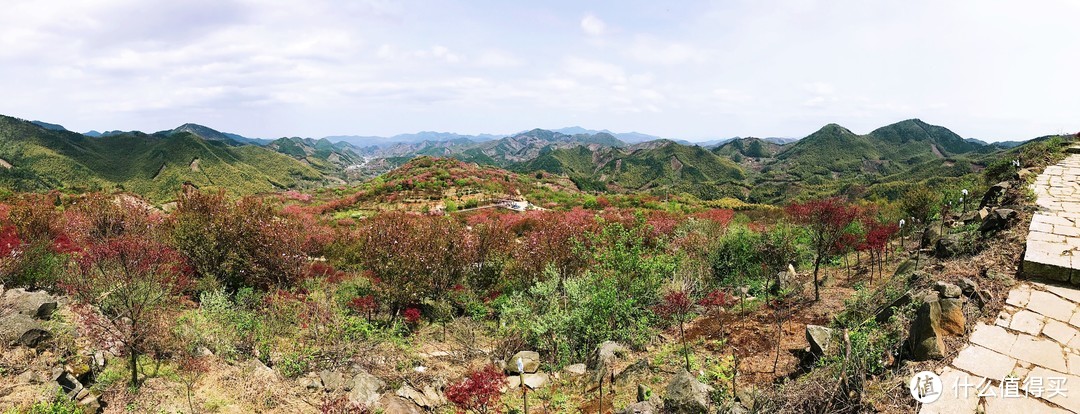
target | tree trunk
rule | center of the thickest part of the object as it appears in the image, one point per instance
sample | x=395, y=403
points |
x=817, y=264
x=134, y=362
x=685, y=350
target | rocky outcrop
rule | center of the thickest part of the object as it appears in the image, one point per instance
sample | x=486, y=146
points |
x=37, y=304
x=20, y=329
x=686, y=395
x=429, y=398
x=941, y=314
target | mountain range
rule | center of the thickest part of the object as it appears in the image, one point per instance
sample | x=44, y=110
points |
x=43, y=155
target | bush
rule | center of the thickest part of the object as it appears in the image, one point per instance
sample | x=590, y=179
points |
x=478, y=392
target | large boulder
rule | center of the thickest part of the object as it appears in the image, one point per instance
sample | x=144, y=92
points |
x=999, y=219
x=686, y=395
x=37, y=304
x=530, y=361
x=606, y=354
x=365, y=389
x=19, y=329
x=820, y=339
x=935, y=319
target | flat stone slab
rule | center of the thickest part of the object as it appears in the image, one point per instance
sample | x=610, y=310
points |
x=952, y=401
x=984, y=363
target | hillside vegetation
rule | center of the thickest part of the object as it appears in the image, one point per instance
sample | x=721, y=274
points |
x=152, y=165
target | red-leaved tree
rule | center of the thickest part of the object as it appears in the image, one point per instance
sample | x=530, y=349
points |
x=677, y=305
x=877, y=240
x=478, y=392
x=825, y=220
x=122, y=288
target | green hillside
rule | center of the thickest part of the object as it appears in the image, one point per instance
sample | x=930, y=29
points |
x=152, y=165
x=659, y=166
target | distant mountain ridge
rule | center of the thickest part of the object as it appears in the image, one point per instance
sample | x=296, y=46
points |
x=154, y=165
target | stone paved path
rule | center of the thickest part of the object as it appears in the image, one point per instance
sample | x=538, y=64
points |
x=1028, y=360
x=1055, y=228
x=1029, y=355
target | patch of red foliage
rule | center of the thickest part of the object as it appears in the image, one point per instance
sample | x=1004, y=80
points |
x=478, y=392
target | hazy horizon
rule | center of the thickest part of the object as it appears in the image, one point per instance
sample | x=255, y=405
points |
x=692, y=71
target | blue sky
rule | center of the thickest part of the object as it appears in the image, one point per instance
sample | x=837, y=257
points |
x=987, y=69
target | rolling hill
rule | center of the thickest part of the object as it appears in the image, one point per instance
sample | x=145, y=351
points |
x=656, y=166
x=151, y=165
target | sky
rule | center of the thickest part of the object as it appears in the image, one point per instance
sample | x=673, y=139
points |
x=695, y=70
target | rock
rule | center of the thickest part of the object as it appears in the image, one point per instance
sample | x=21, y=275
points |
x=641, y=407
x=932, y=324
x=529, y=359
x=606, y=354
x=204, y=351
x=952, y=318
x=1023, y=173
x=310, y=382
x=982, y=297
x=90, y=404
x=513, y=382
x=575, y=369
x=685, y=395
x=644, y=393
x=332, y=380
x=930, y=235
x=37, y=304
x=428, y=399
x=970, y=217
x=789, y=278
x=947, y=290
x=258, y=369
x=393, y=404
x=639, y=367
x=20, y=329
x=990, y=198
x=967, y=286
x=999, y=219
x=820, y=339
x=949, y=246
x=68, y=383
x=535, y=381
x=365, y=389
x=885, y=314
x=99, y=359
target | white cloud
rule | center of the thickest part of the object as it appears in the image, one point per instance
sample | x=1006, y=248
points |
x=592, y=25
x=648, y=49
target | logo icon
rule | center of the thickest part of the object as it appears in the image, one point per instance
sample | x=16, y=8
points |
x=925, y=387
